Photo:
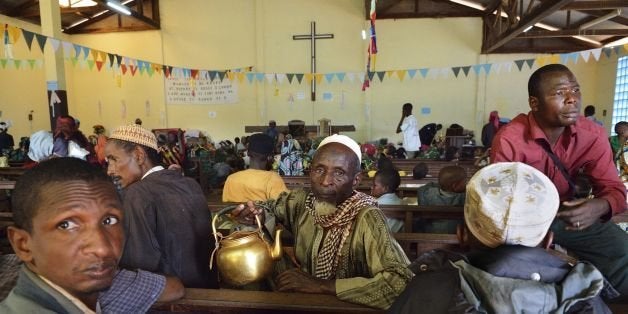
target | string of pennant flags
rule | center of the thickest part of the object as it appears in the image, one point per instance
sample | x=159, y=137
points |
x=93, y=59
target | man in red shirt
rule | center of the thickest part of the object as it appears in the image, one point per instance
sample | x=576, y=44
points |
x=555, y=139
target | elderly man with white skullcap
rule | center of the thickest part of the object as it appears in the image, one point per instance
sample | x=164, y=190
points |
x=166, y=221
x=342, y=244
x=511, y=269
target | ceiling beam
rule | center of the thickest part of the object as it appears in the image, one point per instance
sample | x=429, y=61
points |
x=16, y=11
x=574, y=32
x=596, y=5
x=542, y=11
x=152, y=24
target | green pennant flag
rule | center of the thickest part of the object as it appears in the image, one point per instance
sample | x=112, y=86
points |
x=74, y=60
x=371, y=75
x=456, y=70
x=299, y=77
x=530, y=62
x=221, y=75
x=150, y=70
x=380, y=75
x=110, y=57
x=90, y=64
x=3, y=62
x=519, y=64
x=607, y=52
x=17, y=63
x=290, y=76
x=31, y=62
x=41, y=40
x=28, y=37
x=466, y=70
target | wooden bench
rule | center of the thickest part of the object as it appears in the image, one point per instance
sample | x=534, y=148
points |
x=434, y=166
x=241, y=301
x=11, y=172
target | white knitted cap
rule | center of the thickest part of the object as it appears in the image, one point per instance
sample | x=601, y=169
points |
x=344, y=140
x=510, y=203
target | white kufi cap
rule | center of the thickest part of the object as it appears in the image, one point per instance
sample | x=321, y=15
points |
x=344, y=140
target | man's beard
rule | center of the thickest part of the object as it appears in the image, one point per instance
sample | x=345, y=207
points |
x=324, y=208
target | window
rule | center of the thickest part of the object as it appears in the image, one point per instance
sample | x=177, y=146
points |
x=620, y=106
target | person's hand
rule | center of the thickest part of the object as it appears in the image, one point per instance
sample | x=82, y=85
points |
x=295, y=280
x=174, y=167
x=245, y=214
x=582, y=213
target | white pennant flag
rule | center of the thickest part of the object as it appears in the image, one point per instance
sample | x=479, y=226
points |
x=444, y=72
x=351, y=77
x=361, y=77
x=507, y=66
x=270, y=77
x=596, y=53
x=55, y=44
x=280, y=77
x=39, y=63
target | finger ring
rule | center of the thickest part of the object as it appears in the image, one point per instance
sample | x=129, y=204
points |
x=578, y=224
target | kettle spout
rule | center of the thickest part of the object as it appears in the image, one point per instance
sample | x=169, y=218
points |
x=277, y=249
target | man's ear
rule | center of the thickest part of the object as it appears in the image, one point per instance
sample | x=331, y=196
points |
x=20, y=242
x=139, y=155
x=534, y=103
x=357, y=179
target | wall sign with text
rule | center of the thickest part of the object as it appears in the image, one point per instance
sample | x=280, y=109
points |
x=200, y=91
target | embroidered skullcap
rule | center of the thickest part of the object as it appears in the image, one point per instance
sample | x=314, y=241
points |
x=510, y=203
x=344, y=140
x=134, y=133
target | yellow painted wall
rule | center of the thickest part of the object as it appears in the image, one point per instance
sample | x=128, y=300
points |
x=224, y=34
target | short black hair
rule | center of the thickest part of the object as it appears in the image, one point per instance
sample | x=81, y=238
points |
x=389, y=178
x=26, y=198
x=620, y=125
x=385, y=163
x=152, y=154
x=419, y=171
x=407, y=105
x=534, y=83
x=589, y=110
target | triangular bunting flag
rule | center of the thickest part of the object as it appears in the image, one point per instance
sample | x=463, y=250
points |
x=299, y=77
x=351, y=76
x=14, y=33
x=361, y=77
x=319, y=77
x=340, y=76
x=3, y=62
x=329, y=77
x=519, y=64
x=118, y=59
x=424, y=72
x=90, y=64
x=149, y=69
x=508, y=66
x=596, y=53
x=308, y=77
x=82, y=64
x=212, y=75
x=55, y=44
x=290, y=77
x=466, y=70
x=554, y=58
x=381, y=75
x=41, y=40
x=74, y=60
x=99, y=65
x=259, y=77
x=133, y=69
x=17, y=63
x=270, y=77
x=607, y=52
x=240, y=76
x=456, y=70
x=280, y=77
x=194, y=74
x=39, y=63
x=444, y=72
x=371, y=75
x=94, y=54
x=221, y=75
x=401, y=74
x=617, y=49
x=230, y=76
x=540, y=60
x=86, y=52
x=103, y=56
x=487, y=68
x=564, y=58
x=77, y=50
x=585, y=55
x=31, y=62
x=67, y=49
x=477, y=68
x=389, y=73
x=110, y=57
x=574, y=56
x=411, y=73
x=250, y=76
x=123, y=68
x=28, y=37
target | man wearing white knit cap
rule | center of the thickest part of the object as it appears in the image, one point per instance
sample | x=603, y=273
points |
x=342, y=244
x=508, y=210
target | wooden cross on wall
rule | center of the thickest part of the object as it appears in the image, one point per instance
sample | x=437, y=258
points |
x=312, y=37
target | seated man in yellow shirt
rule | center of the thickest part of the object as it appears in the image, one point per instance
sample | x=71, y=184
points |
x=255, y=183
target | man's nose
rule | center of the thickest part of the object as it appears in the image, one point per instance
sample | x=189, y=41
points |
x=327, y=179
x=99, y=242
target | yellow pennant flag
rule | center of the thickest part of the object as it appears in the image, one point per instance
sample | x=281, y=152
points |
x=95, y=54
x=230, y=76
x=240, y=77
x=389, y=73
x=308, y=77
x=554, y=58
x=103, y=56
x=401, y=74
x=319, y=78
x=14, y=33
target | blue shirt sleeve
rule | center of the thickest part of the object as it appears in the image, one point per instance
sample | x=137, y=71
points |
x=132, y=292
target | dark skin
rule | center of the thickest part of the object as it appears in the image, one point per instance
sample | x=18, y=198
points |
x=556, y=107
x=334, y=176
x=405, y=111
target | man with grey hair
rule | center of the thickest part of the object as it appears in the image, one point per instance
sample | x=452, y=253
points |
x=342, y=244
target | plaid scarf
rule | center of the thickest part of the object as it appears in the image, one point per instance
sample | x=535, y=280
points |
x=338, y=227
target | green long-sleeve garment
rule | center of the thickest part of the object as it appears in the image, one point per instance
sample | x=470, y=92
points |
x=372, y=269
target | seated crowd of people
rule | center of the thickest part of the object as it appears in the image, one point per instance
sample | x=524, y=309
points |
x=118, y=234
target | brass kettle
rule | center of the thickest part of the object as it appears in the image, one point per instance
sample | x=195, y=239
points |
x=244, y=257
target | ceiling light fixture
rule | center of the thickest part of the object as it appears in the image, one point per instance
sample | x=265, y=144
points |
x=76, y=3
x=120, y=8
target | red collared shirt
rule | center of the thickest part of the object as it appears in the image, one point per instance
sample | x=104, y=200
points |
x=582, y=145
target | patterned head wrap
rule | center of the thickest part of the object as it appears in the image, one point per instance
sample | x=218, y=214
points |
x=134, y=133
x=510, y=203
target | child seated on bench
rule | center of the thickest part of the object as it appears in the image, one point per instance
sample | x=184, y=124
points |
x=449, y=191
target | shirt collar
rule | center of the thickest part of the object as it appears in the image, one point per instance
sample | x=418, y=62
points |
x=78, y=303
x=536, y=133
x=153, y=169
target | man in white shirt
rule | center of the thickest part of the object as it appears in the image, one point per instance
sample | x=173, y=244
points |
x=410, y=128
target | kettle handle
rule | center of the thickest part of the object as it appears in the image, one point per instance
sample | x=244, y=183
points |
x=225, y=211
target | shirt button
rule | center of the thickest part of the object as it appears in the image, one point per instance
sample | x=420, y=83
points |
x=423, y=267
x=535, y=276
